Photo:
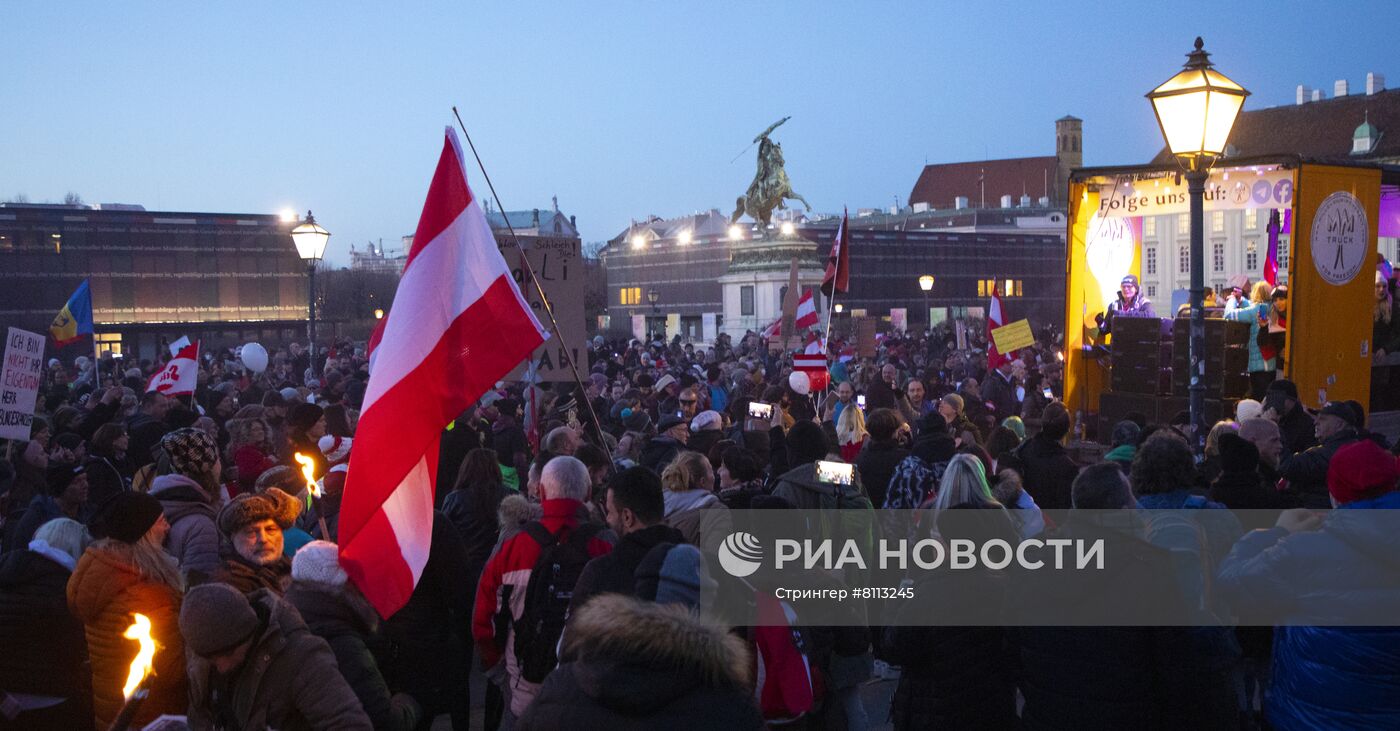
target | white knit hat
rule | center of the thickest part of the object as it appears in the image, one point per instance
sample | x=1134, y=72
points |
x=336, y=449
x=319, y=562
x=706, y=421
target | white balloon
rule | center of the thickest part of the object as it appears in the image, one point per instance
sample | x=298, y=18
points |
x=254, y=357
x=800, y=382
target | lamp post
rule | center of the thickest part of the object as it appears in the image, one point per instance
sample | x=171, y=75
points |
x=652, y=297
x=310, y=240
x=926, y=284
x=1196, y=110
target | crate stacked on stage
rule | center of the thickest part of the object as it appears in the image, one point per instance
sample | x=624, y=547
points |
x=1142, y=356
x=1226, y=374
x=1142, y=371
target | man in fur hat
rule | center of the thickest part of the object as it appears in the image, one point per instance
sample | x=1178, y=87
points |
x=252, y=525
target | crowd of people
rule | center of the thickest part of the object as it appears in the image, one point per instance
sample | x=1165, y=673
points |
x=572, y=550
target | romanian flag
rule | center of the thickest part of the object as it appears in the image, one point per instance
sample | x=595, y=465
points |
x=75, y=319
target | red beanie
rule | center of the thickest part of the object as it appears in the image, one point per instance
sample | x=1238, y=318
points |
x=1361, y=471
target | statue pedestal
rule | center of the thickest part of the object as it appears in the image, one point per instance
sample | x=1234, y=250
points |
x=758, y=276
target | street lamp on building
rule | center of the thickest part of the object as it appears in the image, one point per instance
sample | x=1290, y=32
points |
x=838, y=307
x=378, y=313
x=926, y=284
x=1196, y=109
x=310, y=240
x=652, y=297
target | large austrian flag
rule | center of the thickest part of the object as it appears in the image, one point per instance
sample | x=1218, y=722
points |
x=179, y=376
x=458, y=325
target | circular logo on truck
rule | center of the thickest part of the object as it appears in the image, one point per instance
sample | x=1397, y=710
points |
x=1339, y=231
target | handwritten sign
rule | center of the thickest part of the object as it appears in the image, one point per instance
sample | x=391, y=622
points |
x=899, y=319
x=19, y=382
x=866, y=344
x=558, y=264
x=1013, y=337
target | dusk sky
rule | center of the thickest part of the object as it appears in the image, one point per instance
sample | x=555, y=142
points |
x=620, y=109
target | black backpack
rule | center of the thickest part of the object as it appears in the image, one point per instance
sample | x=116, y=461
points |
x=547, y=597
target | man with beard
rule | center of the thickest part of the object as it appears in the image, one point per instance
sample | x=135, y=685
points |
x=252, y=526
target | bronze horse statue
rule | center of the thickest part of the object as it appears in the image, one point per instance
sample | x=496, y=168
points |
x=770, y=186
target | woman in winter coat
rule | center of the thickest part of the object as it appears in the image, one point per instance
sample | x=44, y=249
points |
x=850, y=433
x=108, y=470
x=189, y=496
x=124, y=573
x=472, y=506
x=626, y=663
x=45, y=651
x=691, y=504
x=250, y=449
x=882, y=454
x=1256, y=313
x=335, y=611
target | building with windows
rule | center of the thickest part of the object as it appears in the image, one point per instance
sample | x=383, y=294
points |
x=226, y=278
x=1347, y=127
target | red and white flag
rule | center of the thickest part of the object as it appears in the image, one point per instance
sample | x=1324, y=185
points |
x=458, y=325
x=812, y=361
x=180, y=375
x=806, y=312
x=994, y=321
x=838, y=262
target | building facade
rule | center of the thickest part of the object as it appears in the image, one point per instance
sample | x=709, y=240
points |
x=222, y=277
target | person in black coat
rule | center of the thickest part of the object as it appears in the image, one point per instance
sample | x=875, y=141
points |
x=1295, y=426
x=635, y=509
x=1241, y=486
x=999, y=389
x=1046, y=468
x=1088, y=677
x=882, y=455
x=936, y=690
x=1306, y=471
x=625, y=663
x=335, y=611
x=454, y=445
x=478, y=489
x=430, y=630
x=45, y=648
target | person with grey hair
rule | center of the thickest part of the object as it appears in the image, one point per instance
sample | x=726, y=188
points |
x=562, y=440
x=45, y=650
x=504, y=587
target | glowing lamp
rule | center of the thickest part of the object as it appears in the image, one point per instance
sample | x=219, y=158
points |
x=1196, y=109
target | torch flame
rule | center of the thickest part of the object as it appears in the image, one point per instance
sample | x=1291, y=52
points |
x=142, y=665
x=308, y=472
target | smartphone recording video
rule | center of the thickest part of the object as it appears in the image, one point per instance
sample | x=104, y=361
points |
x=835, y=473
x=760, y=410
x=860, y=401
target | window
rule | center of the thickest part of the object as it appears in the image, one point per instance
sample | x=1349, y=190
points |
x=982, y=288
x=1218, y=286
x=746, y=300
x=1283, y=253
x=1183, y=259
x=108, y=342
x=1151, y=290
x=1217, y=256
x=630, y=296
x=1217, y=222
x=1183, y=224
x=1251, y=256
x=1149, y=226
x=1251, y=219
x=1009, y=288
x=1150, y=256
x=1018, y=288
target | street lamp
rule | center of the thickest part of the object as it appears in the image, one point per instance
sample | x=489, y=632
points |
x=1196, y=109
x=378, y=313
x=310, y=240
x=838, y=307
x=652, y=297
x=926, y=284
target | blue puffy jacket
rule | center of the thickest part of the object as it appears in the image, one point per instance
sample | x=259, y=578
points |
x=1327, y=677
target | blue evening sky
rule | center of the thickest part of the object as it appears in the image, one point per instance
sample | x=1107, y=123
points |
x=620, y=109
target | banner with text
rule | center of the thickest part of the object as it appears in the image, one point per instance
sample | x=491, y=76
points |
x=19, y=382
x=1011, y=338
x=558, y=263
x=1160, y=194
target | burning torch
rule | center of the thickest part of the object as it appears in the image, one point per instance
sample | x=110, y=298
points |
x=135, y=690
x=313, y=490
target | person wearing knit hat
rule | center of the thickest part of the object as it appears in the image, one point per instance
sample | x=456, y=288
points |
x=294, y=676
x=1328, y=581
x=336, y=611
x=672, y=573
x=335, y=449
x=253, y=552
x=191, y=451
x=306, y=424
x=126, y=517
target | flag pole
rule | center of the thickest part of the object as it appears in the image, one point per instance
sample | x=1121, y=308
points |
x=535, y=280
x=835, y=277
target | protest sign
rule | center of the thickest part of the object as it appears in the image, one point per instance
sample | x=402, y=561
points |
x=19, y=382
x=865, y=337
x=558, y=263
x=899, y=319
x=1014, y=336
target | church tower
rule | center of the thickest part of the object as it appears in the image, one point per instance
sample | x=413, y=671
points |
x=1069, y=153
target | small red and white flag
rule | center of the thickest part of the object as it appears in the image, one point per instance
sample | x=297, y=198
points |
x=812, y=361
x=458, y=325
x=994, y=321
x=838, y=262
x=806, y=312
x=180, y=375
